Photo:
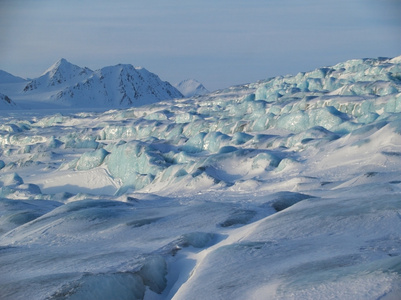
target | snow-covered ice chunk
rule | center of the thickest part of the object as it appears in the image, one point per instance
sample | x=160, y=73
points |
x=90, y=160
x=12, y=179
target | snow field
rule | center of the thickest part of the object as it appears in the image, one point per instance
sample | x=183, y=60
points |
x=288, y=188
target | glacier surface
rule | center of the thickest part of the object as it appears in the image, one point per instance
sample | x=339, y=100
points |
x=287, y=188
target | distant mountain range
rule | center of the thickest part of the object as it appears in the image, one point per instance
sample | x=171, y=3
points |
x=68, y=85
x=191, y=87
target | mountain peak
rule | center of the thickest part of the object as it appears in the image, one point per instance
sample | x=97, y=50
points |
x=191, y=87
x=61, y=73
x=62, y=66
x=61, y=62
x=117, y=68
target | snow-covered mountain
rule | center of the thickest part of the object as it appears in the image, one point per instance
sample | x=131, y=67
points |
x=118, y=86
x=191, y=87
x=61, y=74
x=6, y=102
x=69, y=85
x=9, y=84
x=9, y=78
x=287, y=188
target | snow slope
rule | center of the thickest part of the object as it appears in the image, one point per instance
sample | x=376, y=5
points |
x=68, y=85
x=288, y=188
x=6, y=102
x=191, y=87
x=9, y=78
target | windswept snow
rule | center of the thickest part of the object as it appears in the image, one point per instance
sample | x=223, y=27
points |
x=288, y=188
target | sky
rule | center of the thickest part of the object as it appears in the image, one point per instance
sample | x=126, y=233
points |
x=219, y=43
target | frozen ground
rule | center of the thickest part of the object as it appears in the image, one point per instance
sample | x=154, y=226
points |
x=289, y=188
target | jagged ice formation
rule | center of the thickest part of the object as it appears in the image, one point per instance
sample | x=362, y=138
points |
x=288, y=188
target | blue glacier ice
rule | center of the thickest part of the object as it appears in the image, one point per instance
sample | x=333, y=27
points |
x=286, y=188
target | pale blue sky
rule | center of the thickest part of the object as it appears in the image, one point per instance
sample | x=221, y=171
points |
x=220, y=43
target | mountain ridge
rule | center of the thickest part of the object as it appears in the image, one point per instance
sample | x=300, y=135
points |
x=6, y=77
x=67, y=84
x=119, y=85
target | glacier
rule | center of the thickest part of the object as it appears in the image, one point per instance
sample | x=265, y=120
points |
x=286, y=188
